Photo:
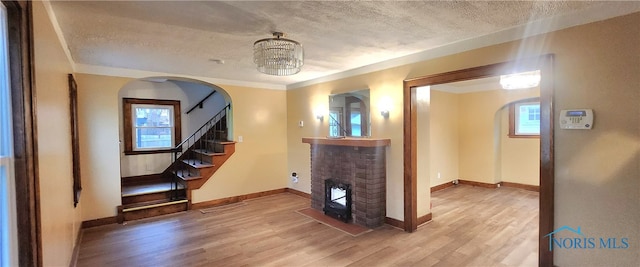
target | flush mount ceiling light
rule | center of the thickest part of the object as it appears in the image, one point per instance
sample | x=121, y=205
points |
x=520, y=80
x=278, y=56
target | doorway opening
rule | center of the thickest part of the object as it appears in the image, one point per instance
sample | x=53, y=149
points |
x=544, y=64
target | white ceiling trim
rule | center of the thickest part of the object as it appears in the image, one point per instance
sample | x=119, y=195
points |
x=508, y=35
x=140, y=74
x=58, y=31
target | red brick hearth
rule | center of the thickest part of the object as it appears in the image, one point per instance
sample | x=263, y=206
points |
x=359, y=162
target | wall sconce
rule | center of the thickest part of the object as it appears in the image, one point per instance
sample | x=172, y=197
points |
x=319, y=113
x=385, y=106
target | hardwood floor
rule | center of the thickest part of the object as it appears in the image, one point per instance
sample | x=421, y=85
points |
x=471, y=226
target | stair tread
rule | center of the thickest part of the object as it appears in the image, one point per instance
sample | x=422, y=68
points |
x=196, y=163
x=150, y=188
x=208, y=152
x=154, y=203
x=187, y=178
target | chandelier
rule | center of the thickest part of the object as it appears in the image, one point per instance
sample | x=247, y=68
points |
x=278, y=56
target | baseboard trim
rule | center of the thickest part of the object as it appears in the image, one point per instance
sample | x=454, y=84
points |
x=99, y=222
x=235, y=199
x=76, y=248
x=393, y=222
x=425, y=219
x=479, y=184
x=442, y=186
x=529, y=187
x=297, y=192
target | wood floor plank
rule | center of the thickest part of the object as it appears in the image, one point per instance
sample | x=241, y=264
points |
x=471, y=226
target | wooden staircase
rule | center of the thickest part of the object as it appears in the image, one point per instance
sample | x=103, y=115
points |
x=201, y=163
x=149, y=196
x=195, y=163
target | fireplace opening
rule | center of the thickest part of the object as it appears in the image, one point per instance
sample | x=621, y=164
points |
x=337, y=200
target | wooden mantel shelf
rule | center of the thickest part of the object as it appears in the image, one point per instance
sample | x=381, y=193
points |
x=354, y=142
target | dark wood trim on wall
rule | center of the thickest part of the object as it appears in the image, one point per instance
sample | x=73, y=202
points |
x=393, y=222
x=410, y=156
x=441, y=187
x=23, y=99
x=547, y=167
x=425, y=218
x=529, y=187
x=545, y=65
x=299, y=193
x=234, y=199
x=75, y=140
x=478, y=184
x=99, y=222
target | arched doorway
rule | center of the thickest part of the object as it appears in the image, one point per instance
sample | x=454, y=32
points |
x=161, y=121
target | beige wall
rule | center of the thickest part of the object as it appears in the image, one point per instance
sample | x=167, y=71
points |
x=445, y=138
x=519, y=158
x=99, y=144
x=597, y=171
x=260, y=161
x=596, y=66
x=258, y=164
x=60, y=221
x=302, y=102
x=479, y=124
x=487, y=150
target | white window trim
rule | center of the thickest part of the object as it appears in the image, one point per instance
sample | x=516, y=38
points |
x=134, y=127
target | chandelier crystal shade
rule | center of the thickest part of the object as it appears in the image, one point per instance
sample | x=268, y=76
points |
x=278, y=56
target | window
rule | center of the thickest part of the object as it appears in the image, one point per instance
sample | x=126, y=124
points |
x=524, y=119
x=7, y=200
x=151, y=126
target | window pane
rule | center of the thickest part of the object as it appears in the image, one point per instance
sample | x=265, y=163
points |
x=153, y=137
x=528, y=119
x=153, y=117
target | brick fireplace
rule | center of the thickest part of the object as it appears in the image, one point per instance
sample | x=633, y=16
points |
x=359, y=162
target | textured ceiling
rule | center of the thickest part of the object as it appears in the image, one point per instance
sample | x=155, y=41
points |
x=181, y=37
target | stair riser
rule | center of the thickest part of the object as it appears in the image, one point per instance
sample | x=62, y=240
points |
x=152, y=212
x=190, y=169
x=142, y=179
x=215, y=147
x=150, y=197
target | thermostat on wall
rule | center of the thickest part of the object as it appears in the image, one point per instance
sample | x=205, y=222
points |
x=576, y=119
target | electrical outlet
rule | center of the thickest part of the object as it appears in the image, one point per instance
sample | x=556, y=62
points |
x=439, y=177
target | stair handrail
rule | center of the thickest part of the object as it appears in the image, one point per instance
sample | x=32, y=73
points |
x=179, y=150
x=222, y=112
x=200, y=104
